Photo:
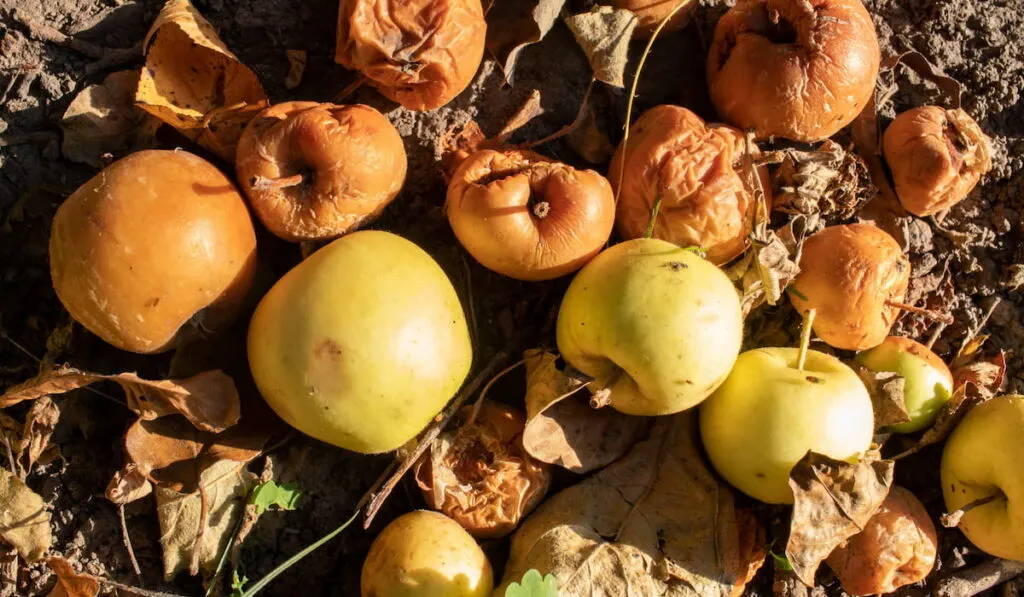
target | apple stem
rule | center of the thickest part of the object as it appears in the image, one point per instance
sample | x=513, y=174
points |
x=263, y=183
x=805, y=338
x=603, y=396
x=541, y=209
x=654, y=217
x=952, y=519
x=941, y=317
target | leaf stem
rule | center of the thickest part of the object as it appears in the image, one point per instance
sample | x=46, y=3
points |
x=942, y=317
x=654, y=217
x=805, y=338
x=952, y=519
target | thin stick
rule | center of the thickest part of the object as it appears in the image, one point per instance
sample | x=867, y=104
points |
x=805, y=338
x=350, y=89
x=15, y=465
x=942, y=317
x=981, y=323
x=654, y=217
x=941, y=327
x=952, y=519
x=581, y=114
x=483, y=393
x=128, y=541
x=263, y=183
x=980, y=578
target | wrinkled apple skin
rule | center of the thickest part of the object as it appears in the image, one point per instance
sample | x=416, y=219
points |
x=361, y=344
x=654, y=320
x=928, y=385
x=768, y=414
x=425, y=554
x=985, y=454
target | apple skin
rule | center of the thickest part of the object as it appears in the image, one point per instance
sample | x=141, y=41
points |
x=929, y=382
x=361, y=344
x=656, y=322
x=768, y=414
x=985, y=454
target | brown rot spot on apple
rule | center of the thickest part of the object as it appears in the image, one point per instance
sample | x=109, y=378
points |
x=813, y=379
x=327, y=349
x=676, y=265
x=760, y=475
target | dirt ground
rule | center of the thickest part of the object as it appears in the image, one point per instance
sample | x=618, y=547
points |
x=979, y=245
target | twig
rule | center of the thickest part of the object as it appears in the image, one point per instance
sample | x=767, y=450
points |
x=654, y=217
x=943, y=317
x=971, y=335
x=980, y=578
x=952, y=519
x=483, y=393
x=805, y=338
x=581, y=115
x=128, y=541
x=44, y=32
x=15, y=465
x=204, y=519
x=941, y=327
x=129, y=588
x=350, y=89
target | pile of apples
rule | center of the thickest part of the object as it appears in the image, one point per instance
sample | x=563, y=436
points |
x=361, y=344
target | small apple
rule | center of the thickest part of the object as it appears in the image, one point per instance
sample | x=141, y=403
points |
x=929, y=383
x=983, y=459
x=769, y=413
x=652, y=322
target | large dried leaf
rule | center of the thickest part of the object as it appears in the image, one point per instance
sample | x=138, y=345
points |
x=512, y=25
x=824, y=181
x=209, y=400
x=887, y=395
x=24, y=521
x=834, y=499
x=604, y=35
x=194, y=83
x=658, y=522
x=563, y=429
x=69, y=582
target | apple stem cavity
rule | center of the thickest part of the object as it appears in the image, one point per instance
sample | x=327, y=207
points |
x=263, y=183
x=654, y=216
x=541, y=209
x=952, y=519
x=935, y=315
x=805, y=338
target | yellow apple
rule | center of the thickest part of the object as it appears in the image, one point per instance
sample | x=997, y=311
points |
x=983, y=457
x=655, y=323
x=928, y=384
x=425, y=554
x=361, y=344
x=768, y=414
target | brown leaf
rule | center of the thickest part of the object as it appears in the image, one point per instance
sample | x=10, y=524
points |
x=296, y=68
x=128, y=485
x=658, y=522
x=588, y=140
x=968, y=351
x=886, y=389
x=512, y=25
x=69, y=582
x=194, y=83
x=604, y=35
x=209, y=400
x=24, y=521
x=982, y=376
x=766, y=270
x=39, y=425
x=825, y=181
x=834, y=499
x=565, y=430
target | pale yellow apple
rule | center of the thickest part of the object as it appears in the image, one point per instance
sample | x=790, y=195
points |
x=656, y=323
x=425, y=554
x=983, y=457
x=768, y=414
x=361, y=344
x=928, y=381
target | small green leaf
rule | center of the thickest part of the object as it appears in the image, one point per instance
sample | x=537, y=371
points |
x=284, y=496
x=781, y=562
x=533, y=585
x=238, y=582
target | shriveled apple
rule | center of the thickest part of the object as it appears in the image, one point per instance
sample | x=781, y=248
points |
x=155, y=249
x=650, y=13
x=928, y=381
x=316, y=171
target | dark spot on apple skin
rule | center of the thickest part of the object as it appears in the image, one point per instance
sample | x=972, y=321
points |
x=152, y=302
x=676, y=265
x=760, y=475
x=327, y=349
x=814, y=379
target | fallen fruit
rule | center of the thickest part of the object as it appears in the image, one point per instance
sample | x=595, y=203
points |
x=650, y=13
x=799, y=69
x=928, y=381
x=653, y=323
x=316, y=171
x=361, y=344
x=155, y=249
x=769, y=413
x=896, y=548
x=855, y=276
x=425, y=554
x=527, y=217
x=982, y=460
x=936, y=157
x=419, y=53
x=694, y=169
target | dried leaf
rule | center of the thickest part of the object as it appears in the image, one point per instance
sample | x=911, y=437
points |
x=128, y=485
x=103, y=119
x=822, y=182
x=564, y=430
x=296, y=68
x=766, y=270
x=194, y=83
x=886, y=389
x=69, y=582
x=968, y=352
x=834, y=499
x=512, y=25
x=657, y=522
x=39, y=425
x=24, y=521
x=983, y=376
x=209, y=400
x=604, y=35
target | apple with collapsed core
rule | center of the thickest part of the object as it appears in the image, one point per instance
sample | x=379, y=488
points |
x=769, y=413
x=654, y=323
x=984, y=458
x=928, y=385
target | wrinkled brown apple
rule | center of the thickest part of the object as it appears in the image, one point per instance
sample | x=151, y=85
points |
x=649, y=13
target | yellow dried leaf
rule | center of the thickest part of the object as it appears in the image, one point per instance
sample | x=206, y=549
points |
x=69, y=582
x=24, y=521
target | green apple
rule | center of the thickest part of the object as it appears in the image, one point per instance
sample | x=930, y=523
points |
x=656, y=324
x=929, y=382
x=769, y=413
x=984, y=457
x=361, y=344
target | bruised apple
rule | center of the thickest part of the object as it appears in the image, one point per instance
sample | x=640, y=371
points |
x=928, y=381
x=653, y=323
x=650, y=13
x=155, y=249
x=361, y=344
x=425, y=554
x=316, y=171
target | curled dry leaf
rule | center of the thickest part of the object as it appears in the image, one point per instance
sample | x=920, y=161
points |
x=69, y=582
x=824, y=181
x=128, y=485
x=194, y=83
x=657, y=522
x=766, y=270
x=480, y=476
x=296, y=68
x=512, y=25
x=886, y=389
x=983, y=376
x=24, y=521
x=209, y=400
x=103, y=119
x=834, y=500
x=40, y=422
x=563, y=429
x=604, y=35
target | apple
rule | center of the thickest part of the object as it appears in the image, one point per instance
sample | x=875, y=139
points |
x=929, y=383
x=361, y=344
x=654, y=323
x=983, y=458
x=769, y=413
x=425, y=554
